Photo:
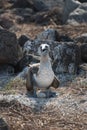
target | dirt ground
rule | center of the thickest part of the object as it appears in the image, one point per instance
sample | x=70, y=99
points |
x=66, y=111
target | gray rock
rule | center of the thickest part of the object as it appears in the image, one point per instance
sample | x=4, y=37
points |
x=28, y=47
x=10, y=51
x=54, y=3
x=6, y=70
x=69, y=6
x=26, y=60
x=79, y=15
x=66, y=58
x=49, y=34
x=36, y=5
x=64, y=38
x=22, y=75
x=39, y=11
x=20, y=19
x=22, y=39
x=20, y=3
x=82, y=38
x=84, y=52
x=3, y=125
x=6, y=23
x=23, y=14
x=66, y=77
x=52, y=16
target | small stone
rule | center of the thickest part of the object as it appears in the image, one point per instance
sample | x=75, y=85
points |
x=49, y=34
x=41, y=94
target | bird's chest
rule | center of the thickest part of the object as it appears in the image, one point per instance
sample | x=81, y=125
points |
x=45, y=77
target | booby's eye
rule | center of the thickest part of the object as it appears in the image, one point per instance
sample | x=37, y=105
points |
x=46, y=47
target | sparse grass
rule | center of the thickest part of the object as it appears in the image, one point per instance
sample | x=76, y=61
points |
x=14, y=86
x=51, y=118
x=8, y=86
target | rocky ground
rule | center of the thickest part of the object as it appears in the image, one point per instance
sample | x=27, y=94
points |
x=23, y=27
x=68, y=110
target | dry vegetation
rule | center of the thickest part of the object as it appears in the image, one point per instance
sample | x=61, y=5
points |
x=20, y=117
x=32, y=30
x=68, y=111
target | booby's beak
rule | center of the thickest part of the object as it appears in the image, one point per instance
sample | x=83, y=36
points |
x=44, y=49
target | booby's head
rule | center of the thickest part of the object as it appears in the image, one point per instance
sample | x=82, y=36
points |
x=44, y=49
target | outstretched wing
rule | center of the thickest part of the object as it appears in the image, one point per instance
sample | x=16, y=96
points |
x=55, y=83
x=33, y=69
